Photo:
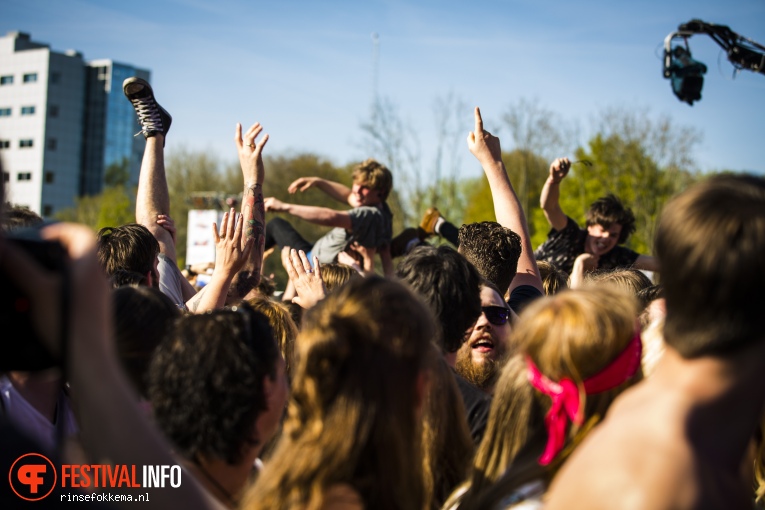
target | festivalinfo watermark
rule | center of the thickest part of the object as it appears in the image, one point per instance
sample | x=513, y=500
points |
x=34, y=477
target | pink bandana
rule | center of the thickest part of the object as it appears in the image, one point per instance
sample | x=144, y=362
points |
x=565, y=394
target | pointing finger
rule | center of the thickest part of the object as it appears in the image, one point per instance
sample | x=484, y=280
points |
x=478, y=121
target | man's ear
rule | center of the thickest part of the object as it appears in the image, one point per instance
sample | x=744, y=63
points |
x=149, y=279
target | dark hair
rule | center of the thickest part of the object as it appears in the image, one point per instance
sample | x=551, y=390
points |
x=206, y=381
x=130, y=247
x=449, y=284
x=19, y=216
x=710, y=243
x=124, y=278
x=609, y=210
x=493, y=250
x=142, y=317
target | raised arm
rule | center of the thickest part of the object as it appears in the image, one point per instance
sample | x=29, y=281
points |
x=152, y=201
x=113, y=429
x=507, y=208
x=318, y=215
x=549, y=200
x=231, y=253
x=253, y=173
x=339, y=192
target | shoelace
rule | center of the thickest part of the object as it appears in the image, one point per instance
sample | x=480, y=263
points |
x=148, y=115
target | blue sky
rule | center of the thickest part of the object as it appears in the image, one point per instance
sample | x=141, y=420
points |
x=304, y=68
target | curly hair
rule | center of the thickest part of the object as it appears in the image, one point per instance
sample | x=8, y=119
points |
x=130, y=247
x=206, y=382
x=493, y=250
x=609, y=210
x=375, y=175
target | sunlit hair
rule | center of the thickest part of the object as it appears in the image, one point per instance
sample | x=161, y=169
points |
x=574, y=335
x=447, y=444
x=493, y=250
x=759, y=465
x=336, y=275
x=631, y=281
x=554, y=279
x=374, y=175
x=609, y=210
x=353, y=414
x=18, y=216
x=129, y=247
x=285, y=329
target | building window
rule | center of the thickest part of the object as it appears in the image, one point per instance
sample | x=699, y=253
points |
x=27, y=110
x=30, y=77
x=52, y=144
x=5, y=112
x=47, y=210
x=5, y=144
x=24, y=176
x=23, y=144
x=53, y=111
x=49, y=177
x=55, y=78
x=6, y=80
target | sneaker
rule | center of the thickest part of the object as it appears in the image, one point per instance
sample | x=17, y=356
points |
x=429, y=220
x=153, y=118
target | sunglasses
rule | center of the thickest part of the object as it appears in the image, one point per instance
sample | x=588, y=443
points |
x=496, y=315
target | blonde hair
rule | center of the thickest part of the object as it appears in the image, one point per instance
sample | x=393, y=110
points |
x=554, y=279
x=632, y=281
x=336, y=275
x=574, y=335
x=352, y=416
x=375, y=175
x=285, y=329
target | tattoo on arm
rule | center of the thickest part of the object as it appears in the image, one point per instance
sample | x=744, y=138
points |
x=195, y=300
x=249, y=277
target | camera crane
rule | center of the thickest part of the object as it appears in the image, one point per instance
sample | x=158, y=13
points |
x=687, y=75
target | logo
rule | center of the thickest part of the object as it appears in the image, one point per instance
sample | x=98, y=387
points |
x=32, y=477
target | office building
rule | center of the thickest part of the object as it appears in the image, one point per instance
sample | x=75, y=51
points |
x=64, y=123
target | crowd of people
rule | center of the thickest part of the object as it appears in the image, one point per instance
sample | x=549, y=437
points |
x=392, y=373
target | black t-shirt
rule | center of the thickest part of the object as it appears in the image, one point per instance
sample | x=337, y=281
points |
x=562, y=247
x=522, y=296
x=477, y=404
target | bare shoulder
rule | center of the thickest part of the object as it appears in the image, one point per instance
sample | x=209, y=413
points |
x=342, y=497
x=638, y=457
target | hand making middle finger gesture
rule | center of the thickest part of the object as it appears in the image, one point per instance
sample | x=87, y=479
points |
x=482, y=144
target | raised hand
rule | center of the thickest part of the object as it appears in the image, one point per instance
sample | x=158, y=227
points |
x=309, y=284
x=232, y=248
x=166, y=222
x=482, y=144
x=559, y=169
x=251, y=153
